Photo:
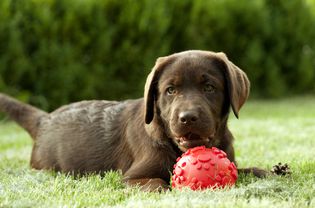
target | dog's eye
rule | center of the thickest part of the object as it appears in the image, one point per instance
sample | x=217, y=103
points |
x=170, y=90
x=209, y=88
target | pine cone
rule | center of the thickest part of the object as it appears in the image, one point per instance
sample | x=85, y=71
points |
x=280, y=169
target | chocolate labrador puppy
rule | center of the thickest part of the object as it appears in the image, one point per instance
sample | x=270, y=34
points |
x=187, y=99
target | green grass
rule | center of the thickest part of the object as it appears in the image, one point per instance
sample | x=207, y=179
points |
x=267, y=132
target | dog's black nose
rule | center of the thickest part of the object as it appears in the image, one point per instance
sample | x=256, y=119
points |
x=188, y=117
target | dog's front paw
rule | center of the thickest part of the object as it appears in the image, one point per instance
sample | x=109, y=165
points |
x=149, y=184
x=260, y=173
x=155, y=185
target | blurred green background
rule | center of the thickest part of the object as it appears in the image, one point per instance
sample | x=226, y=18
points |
x=54, y=52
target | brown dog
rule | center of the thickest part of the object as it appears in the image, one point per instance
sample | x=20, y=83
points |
x=186, y=104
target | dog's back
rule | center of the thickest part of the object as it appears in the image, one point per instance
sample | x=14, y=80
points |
x=80, y=137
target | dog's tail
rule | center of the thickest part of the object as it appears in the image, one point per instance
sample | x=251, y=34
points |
x=25, y=115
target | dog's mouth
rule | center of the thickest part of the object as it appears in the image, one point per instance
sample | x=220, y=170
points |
x=191, y=140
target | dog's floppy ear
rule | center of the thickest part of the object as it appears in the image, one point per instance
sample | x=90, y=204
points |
x=237, y=83
x=150, y=89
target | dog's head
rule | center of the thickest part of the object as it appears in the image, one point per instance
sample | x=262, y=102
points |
x=188, y=96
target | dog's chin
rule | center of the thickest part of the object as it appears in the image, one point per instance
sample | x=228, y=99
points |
x=191, y=140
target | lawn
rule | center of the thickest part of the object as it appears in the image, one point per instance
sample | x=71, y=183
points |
x=267, y=132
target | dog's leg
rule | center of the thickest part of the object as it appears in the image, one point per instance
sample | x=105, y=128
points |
x=260, y=173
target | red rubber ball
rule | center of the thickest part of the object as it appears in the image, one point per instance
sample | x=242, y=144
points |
x=201, y=168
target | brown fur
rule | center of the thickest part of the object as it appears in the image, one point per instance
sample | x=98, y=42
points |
x=186, y=103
